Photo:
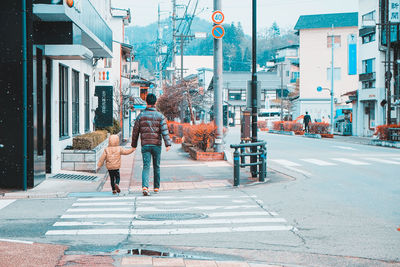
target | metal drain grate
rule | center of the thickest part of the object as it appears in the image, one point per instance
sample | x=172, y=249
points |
x=171, y=216
x=75, y=177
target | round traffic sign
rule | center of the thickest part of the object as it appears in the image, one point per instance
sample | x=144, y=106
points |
x=319, y=88
x=218, y=31
x=218, y=17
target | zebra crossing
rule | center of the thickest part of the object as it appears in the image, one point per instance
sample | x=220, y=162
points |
x=130, y=215
x=365, y=161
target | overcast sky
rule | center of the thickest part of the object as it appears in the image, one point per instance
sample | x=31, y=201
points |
x=284, y=12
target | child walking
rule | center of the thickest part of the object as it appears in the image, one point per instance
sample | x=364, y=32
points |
x=112, y=156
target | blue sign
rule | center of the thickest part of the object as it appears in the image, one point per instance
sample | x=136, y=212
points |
x=352, y=56
x=319, y=88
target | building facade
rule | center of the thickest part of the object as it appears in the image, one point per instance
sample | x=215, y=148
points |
x=372, y=93
x=50, y=81
x=316, y=34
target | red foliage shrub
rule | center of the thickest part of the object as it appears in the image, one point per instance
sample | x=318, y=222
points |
x=383, y=131
x=262, y=124
x=287, y=126
x=277, y=125
x=202, y=135
x=319, y=128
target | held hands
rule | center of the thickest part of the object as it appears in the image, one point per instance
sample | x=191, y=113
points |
x=168, y=148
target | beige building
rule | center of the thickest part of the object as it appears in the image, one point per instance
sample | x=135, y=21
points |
x=315, y=58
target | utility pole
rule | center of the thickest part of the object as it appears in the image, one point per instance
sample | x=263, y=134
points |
x=159, y=37
x=332, y=75
x=254, y=100
x=281, y=91
x=218, y=86
x=173, y=40
x=388, y=74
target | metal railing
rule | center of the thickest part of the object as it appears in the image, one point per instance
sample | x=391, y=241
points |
x=239, y=160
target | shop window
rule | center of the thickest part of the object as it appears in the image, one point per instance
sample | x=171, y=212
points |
x=63, y=101
x=75, y=102
x=87, y=103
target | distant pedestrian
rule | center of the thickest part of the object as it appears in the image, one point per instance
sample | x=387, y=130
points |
x=112, y=156
x=151, y=125
x=307, y=121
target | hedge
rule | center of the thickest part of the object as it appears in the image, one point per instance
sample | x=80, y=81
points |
x=383, y=131
x=89, y=141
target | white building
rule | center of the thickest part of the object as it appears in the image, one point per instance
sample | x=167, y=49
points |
x=372, y=101
x=315, y=32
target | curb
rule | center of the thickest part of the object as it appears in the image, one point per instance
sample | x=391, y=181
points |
x=282, y=132
x=317, y=136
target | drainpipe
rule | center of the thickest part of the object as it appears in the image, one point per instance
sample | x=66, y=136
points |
x=24, y=97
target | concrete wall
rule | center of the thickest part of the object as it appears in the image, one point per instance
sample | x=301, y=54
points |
x=57, y=144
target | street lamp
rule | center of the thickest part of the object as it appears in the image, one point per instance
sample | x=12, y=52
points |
x=319, y=89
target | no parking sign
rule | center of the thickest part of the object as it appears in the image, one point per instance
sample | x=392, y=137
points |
x=218, y=31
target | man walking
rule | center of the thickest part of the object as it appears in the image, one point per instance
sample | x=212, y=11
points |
x=307, y=120
x=151, y=125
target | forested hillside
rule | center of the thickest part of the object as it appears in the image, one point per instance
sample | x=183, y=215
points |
x=236, y=44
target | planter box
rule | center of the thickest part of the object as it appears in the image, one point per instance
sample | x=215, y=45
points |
x=327, y=135
x=82, y=160
x=186, y=146
x=206, y=156
x=177, y=140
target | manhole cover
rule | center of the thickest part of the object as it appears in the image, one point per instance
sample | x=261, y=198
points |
x=171, y=216
x=74, y=177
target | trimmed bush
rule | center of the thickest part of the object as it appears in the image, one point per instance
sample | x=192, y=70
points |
x=203, y=135
x=383, y=131
x=287, y=126
x=89, y=141
x=261, y=124
x=319, y=128
x=116, y=128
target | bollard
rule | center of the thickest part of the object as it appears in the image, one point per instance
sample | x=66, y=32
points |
x=262, y=158
x=242, y=158
x=236, y=168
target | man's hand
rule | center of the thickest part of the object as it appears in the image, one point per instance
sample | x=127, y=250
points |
x=168, y=148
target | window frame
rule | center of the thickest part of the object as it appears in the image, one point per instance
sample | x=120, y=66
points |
x=63, y=102
x=75, y=102
x=87, y=102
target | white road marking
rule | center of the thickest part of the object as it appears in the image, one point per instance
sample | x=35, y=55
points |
x=104, y=204
x=94, y=223
x=285, y=162
x=171, y=231
x=345, y=147
x=384, y=161
x=5, y=202
x=318, y=162
x=108, y=215
x=154, y=198
x=99, y=209
x=351, y=161
x=16, y=241
x=196, y=208
x=205, y=221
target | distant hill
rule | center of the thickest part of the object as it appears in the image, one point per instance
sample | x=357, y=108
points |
x=236, y=44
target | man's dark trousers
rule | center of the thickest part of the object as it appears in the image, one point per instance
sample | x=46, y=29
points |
x=148, y=152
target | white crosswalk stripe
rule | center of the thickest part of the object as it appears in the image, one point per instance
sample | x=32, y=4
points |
x=127, y=216
x=384, y=161
x=351, y=161
x=319, y=162
x=286, y=162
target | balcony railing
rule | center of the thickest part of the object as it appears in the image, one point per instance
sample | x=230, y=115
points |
x=88, y=16
x=367, y=76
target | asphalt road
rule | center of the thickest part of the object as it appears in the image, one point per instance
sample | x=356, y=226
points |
x=339, y=207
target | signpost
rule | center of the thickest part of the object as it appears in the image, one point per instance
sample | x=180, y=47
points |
x=218, y=31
